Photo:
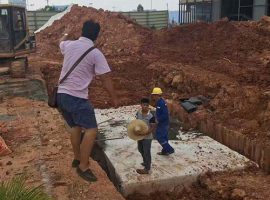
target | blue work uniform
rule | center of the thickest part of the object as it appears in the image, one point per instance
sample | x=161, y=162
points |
x=162, y=116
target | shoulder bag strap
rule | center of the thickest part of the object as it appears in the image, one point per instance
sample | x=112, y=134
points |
x=76, y=64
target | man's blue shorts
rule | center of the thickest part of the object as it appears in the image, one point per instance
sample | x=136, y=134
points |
x=76, y=111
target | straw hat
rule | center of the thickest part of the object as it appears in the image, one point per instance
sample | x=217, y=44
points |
x=137, y=129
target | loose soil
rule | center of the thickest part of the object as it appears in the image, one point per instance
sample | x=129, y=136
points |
x=42, y=152
x=223, y=186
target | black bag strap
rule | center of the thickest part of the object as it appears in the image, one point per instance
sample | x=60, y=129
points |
x=76, y=64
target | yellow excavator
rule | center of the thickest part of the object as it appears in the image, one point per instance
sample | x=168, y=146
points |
x=15, y=41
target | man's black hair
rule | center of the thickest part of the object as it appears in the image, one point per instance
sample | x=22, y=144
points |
x=145, y=100
x=90, y=30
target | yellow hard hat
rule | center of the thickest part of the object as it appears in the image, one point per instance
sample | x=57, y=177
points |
x=157, y=90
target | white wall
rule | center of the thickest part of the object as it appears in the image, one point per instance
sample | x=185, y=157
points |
x=14, y=2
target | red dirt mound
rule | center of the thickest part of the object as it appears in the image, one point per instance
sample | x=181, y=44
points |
x=119, y=35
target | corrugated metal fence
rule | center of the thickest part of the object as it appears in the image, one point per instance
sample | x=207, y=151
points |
x=151, y=19
x=36, y=19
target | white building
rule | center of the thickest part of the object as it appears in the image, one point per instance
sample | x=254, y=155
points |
x=14, y=2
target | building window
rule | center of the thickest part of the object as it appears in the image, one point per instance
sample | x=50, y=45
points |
x=241, y=10
x=191, y=11
x=4, y=25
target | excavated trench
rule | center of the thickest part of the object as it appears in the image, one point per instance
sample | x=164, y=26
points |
x=255, y=150
x=100, y=152
x=237, y=68
x=200, y=153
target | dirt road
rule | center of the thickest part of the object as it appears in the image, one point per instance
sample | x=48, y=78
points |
x=42, y=151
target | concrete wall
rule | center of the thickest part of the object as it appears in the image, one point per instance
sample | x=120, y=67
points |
x=14, y=2
x=259, y=9
x=157, y=19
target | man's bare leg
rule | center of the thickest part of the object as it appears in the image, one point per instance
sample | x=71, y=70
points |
x=75, y=138
x=86, y=147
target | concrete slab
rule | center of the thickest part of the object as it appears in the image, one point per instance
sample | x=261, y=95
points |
x=195, y=154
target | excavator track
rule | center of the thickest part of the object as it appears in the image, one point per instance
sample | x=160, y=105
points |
x=18, y=68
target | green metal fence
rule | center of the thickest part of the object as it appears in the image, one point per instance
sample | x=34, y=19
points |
x=151, y=19
x=36, y=19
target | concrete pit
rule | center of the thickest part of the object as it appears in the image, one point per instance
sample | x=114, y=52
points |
x=195, y=154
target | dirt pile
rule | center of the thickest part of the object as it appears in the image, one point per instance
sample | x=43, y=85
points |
x=238, y=49
x=237, y=185
x=240, y=185
x=121, y=40
x=227, y=62
x=119, y=36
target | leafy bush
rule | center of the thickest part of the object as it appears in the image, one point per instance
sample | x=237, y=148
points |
x=16, y=190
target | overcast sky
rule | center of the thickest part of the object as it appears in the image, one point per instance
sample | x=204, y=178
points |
x=117, y=5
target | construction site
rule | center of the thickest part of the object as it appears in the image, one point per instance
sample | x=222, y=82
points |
x=222, y=148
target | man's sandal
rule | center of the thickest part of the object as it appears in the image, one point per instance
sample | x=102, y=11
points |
x=87, y=175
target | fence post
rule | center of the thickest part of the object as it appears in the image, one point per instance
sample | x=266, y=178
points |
x=147, y=18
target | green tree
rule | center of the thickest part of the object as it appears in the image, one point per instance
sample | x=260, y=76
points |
x=48, y=9
x=140, y=8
